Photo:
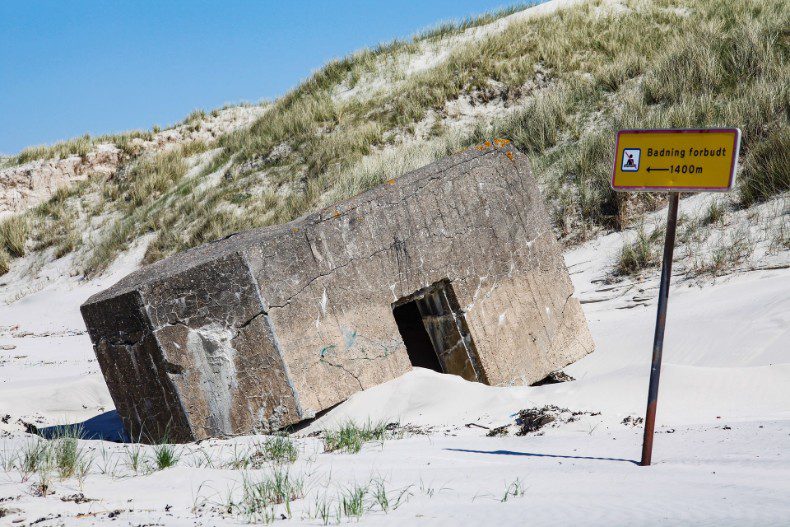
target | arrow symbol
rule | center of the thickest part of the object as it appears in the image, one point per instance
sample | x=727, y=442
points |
x=650, y=169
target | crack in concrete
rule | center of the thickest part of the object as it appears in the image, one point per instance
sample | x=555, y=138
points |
x=343, y=368
x=322, y=275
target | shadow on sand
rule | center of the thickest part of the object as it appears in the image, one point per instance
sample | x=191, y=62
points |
x=107, y=427
x=531, y=454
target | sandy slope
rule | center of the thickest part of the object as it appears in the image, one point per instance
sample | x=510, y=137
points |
x=721, y=451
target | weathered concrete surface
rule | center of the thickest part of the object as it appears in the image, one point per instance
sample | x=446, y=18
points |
x=267, y=327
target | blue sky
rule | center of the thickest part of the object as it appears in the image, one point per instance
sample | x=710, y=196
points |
x=69, y=68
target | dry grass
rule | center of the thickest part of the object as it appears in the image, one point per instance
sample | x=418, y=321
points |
x=766, y=169
x=56, y=222
x=643, y=253
x=725, y=251
x=5, y=261
x=79, y=146
x=61, y=150
x=14, y=233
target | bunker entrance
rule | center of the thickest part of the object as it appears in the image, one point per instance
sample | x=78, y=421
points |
x=435, y=333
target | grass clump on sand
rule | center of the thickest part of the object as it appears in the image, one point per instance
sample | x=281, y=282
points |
x=350, y=436
x=135, y=459
x=69, y=458
x=165, y=456
x=60, y=454
x=641, y=254
x=352, y=502
x=14, y=233
x=277, y=449
x=260, y=496
x=5, y=261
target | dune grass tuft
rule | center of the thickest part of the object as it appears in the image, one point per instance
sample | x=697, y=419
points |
x=350, y=436
x=5, y=261
x=14, y=233
x=278, y=449
x=261, y=495
x=766, y=171
x=640, y=254
x=165, y=456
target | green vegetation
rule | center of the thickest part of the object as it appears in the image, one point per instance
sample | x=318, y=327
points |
x=350, y=437
x=80, y=146
x=145, y=197
x=514, y=489
x=165, y=456
x=570, y=80
x=274, y=451
x=277, y=449
x=726, y=250
x=354, y=501
x=765, y=170
x=640, y=254
x=260, y=496
x=714, y=214
x=35, y=456
x=56, y=222
x=73, y=147
x=14, y=233
x=5, y=261
x=194, y=117
x=134, y=458
x=67, y=455
x=60, y=455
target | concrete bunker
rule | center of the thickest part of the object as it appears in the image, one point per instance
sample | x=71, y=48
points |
x=453, y=267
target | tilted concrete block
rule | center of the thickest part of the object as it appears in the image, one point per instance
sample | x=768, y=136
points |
x=453, y=267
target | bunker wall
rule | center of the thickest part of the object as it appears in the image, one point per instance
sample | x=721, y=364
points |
x=267, y=327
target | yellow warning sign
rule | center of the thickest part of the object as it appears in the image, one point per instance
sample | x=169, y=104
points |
x=676, y=160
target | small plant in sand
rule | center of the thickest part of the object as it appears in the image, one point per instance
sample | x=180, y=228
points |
x=260, y=497
x=714, y=213
x=60, y=455
x=134, y=457
x=277, y=449
x=35, y=457
x=165, y=456
x=68, y=457
x=351, y=436
x=354, y=501
x=514, y=489
x=640, y=254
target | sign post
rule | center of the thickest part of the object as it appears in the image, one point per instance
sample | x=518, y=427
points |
x=671, y=161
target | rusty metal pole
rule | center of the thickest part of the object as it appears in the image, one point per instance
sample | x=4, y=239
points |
x=658, y=338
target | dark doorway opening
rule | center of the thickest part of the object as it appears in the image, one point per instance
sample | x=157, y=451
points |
x=435, y=333
x=417, y=340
